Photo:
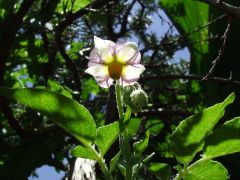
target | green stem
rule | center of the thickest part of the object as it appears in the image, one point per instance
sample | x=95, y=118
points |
x=124, y=135
x=182, y=173
x=99, y=159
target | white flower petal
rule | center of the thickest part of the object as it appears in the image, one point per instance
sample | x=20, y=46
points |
x=103, y=51
x=106, y=83
x=127, y=52
x=100, y=73
x=131, y=73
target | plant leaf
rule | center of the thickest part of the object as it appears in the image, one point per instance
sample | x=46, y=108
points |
x=225, y=140
x=65, y=112
x=207, y=169
x=106, y=136
x=114, y=161
x=82, y=152
x=141, y=145
x=133, y=126
x=127, y=114
x=161, y=170
x=188, y=137
x=187, y=16
x=73, y=6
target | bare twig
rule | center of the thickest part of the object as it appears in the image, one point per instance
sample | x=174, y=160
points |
x=191, y=77
x=221, y=50
x=205, y=25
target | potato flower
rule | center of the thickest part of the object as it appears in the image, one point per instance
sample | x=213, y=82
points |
x=111, y=61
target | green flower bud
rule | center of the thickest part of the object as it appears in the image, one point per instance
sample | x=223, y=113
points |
x=135, y=97
x=139, y=99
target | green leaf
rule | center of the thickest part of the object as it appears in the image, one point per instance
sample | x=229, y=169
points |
x=141, y=145
x=225, y=140
x=65, y=112
x=114, y=161
x=161, y=170
x=72, y=5
x=207, y=169
x=188, y=137
x=106, y=136
x=148, y=158
x=56, y=87
x=89, y=87
x=127, y=114
x=155, y=126
x=188, y=15
x=133, y=126
x=82, y=152
x=122, y=169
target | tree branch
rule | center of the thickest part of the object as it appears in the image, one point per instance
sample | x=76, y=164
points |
x=221, y=50
x=10, y=27
x=191, y=77
x=60, y=44
x=225, y=7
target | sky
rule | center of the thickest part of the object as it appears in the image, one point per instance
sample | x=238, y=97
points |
x=49, y=173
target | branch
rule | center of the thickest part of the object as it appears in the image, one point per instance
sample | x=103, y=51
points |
x=60, y=44
x=51, y=50
x=225, y=7
x=221, y=50
x=9, y=29
x=124, y=23
x=191, y=77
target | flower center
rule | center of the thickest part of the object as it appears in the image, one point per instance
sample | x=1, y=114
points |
x=115, y=70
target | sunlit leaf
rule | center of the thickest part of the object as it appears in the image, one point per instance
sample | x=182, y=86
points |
x=82, y=152
x=106, y=136
x=188, y=137
x=207, y=169
x=72, y=5
x=161, y=170
x=225, y=140
x=65, y=112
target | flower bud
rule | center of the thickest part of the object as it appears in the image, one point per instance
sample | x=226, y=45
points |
x=135, y=97
x=139, y=99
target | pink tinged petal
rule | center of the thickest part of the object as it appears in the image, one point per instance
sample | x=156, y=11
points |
x=131, y=73
x=105, y=83
x=103, y=51
x=100, y=73
x=127, y=52
x=135, y=59
x=95, y=57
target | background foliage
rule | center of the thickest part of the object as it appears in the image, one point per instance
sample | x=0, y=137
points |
x=45, y=44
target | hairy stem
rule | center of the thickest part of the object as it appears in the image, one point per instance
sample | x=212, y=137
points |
x=126, y=149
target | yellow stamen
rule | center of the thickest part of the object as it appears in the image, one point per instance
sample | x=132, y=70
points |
x=115, y=70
